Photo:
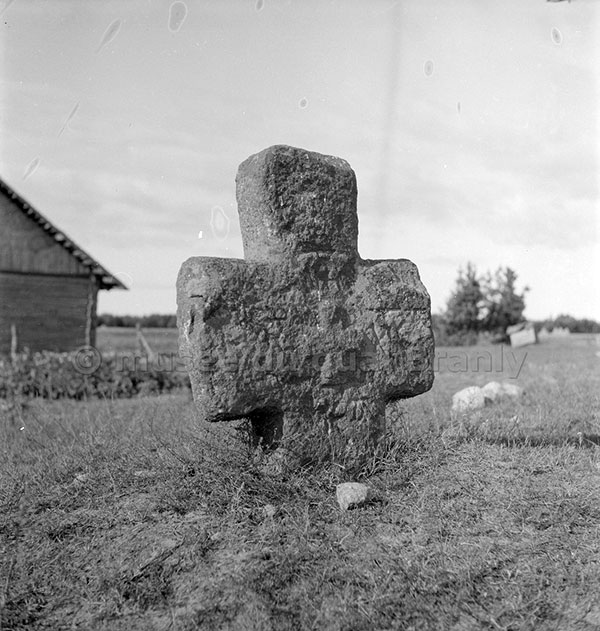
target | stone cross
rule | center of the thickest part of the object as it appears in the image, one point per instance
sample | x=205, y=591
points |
x=303, y=337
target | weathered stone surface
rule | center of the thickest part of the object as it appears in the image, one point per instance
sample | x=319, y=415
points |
x=468, y=399
x=352, y=494
x=303, y=335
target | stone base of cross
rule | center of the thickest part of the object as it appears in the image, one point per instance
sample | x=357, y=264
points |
x=303, y=337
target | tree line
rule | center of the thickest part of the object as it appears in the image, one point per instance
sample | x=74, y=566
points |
x=564, y=321
x=154, y=320
x=482, y=307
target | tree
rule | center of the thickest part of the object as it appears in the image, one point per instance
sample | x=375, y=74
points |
x=489, y=304
x=502, y=305
x=565, y=321
x=462, y=317
x=586, y=325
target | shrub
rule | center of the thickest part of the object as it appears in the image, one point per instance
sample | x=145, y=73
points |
x=55, y=376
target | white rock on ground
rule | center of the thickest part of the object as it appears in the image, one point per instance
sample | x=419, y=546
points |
x=471, y=398
x=352, y=494
x=492, y=391
x=512, y=390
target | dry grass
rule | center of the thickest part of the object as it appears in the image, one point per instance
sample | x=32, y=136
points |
x=125, y=515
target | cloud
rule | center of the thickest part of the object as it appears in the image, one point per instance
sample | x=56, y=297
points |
x=535, y=184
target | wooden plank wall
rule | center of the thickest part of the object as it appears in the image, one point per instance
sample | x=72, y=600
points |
x=50, y=311
x=25, y=247
x=91, y=315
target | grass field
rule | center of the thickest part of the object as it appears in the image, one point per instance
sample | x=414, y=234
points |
x=114, y=339
x=127, y=515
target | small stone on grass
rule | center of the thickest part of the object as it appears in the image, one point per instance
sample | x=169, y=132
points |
x=467, y=399
x=269, y=511
x=353, y=494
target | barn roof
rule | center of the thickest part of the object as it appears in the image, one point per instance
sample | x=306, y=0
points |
x=105, y=279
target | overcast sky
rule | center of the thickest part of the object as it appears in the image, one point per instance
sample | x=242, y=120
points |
x=472, y=127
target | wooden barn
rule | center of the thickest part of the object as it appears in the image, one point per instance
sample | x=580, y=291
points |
x=48, y=284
